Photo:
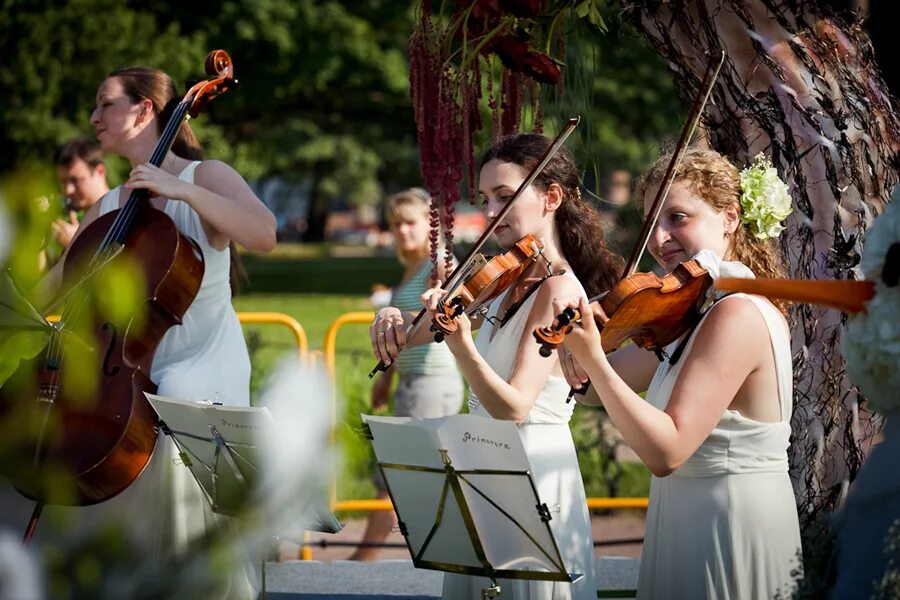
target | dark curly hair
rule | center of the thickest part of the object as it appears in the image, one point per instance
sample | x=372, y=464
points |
x=580, y=231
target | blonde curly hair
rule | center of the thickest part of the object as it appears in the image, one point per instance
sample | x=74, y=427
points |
x=713, y=179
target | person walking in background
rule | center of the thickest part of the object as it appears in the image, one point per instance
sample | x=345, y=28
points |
x=715, y=426
x=429, y=384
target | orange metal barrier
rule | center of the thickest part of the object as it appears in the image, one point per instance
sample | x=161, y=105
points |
x=261, y=318
x=593, y=504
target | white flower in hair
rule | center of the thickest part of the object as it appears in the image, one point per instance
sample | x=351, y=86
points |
x=765, y=200
x=872, y=342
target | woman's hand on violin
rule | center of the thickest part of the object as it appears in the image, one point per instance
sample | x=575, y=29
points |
x=159, y=182
x=583, y=342
x=458, y=341
x=431, y=299
x=388, y=334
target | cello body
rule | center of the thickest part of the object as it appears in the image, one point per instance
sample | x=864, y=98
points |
x=80, y=446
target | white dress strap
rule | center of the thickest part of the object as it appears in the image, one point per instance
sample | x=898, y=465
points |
x=187, y=174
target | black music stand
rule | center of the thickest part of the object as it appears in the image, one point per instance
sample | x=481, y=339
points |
x=465, y=498
x=217, y=444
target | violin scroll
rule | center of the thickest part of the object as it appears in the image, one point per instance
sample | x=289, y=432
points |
x=649, y=310
x=551, y=337
x=218, y=63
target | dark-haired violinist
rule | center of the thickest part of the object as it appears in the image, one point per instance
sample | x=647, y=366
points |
x=715, y=426
x=507, y=377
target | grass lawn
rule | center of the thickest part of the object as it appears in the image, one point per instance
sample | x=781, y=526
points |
x=315, y=289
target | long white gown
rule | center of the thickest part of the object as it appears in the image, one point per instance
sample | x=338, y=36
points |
x=551, y=452
x=724, y=525
x=205, y=358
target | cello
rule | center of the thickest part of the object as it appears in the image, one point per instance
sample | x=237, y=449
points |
x=82, y=444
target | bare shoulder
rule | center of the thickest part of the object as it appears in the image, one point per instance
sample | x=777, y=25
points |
x=219, y=177
x=560, y=286
x=737, y=324
x=213, y=170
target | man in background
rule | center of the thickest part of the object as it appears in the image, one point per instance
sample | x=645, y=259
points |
x=82, y=179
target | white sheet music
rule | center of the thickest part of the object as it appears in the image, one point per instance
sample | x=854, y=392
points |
x=500, y=497
x=471, y=442
x=227, y=476
x=236, y=424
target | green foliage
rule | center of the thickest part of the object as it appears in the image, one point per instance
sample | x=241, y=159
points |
x=56, y=54
x=624, y=94
x=323, y=94
x=324, y=85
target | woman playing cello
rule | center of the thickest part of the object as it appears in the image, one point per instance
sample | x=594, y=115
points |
x=722, y=521
x=205, y=358
x=508, y=379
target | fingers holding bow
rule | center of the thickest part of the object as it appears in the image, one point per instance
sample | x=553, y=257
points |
x=388, y=334
x=575, y=375
x=431, y=299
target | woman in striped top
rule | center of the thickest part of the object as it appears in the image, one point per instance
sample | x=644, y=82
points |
x=429, y=383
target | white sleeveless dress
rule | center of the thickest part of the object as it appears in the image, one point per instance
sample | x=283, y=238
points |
x=551, y=452
x=205, y=358
x=724, y=525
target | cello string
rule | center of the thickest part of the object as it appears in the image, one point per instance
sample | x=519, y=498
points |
x=124, y=218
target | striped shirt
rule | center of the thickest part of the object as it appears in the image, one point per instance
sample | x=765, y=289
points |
x=429, y=359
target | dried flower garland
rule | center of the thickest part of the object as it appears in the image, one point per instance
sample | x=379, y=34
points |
x=452, y=69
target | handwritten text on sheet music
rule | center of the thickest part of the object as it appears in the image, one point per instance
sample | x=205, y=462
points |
x=477, y=439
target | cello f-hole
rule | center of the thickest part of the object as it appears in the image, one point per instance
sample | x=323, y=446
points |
x=108, y=369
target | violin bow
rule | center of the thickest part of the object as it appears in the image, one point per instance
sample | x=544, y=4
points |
x=687, y=132
x=684, y=140
x=458, y=273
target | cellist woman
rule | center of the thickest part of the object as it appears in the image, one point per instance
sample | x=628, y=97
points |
x=205, y=358
x=715, y=426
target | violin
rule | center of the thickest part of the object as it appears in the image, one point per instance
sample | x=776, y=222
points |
x=652, y=311
x=466, y=266
x=488, y=281
x=83, y=444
